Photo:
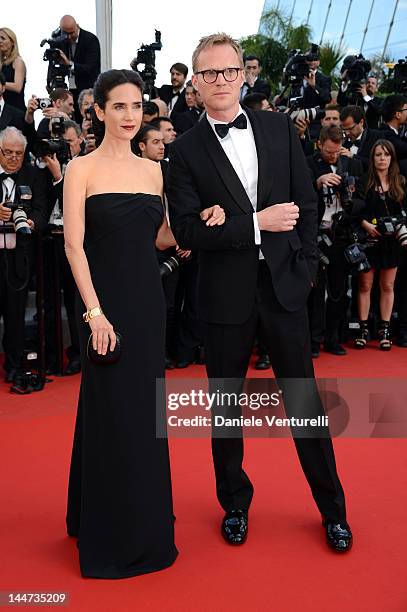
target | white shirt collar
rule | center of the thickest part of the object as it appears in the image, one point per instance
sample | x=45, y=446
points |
x=2, y=103
x=213, y=121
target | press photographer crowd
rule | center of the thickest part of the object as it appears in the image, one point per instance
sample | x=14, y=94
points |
x=355, y=142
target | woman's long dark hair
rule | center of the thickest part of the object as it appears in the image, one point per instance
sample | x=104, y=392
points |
x=396, y=180
x=104, y=84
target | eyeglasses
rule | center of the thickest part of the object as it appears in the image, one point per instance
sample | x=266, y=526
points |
x=401, y=110
x=9, y=154
x=211, y=76
x=350, y=128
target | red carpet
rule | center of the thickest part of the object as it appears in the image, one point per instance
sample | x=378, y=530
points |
x=285, y=565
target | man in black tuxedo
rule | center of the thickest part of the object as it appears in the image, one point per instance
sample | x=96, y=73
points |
x=256, y=267
x=82, y=56
x=253, y=84
x=174, y=94
x=186, y=120
x=363, y=97
x=359, y=138
x=395, y=119
x=16, y=247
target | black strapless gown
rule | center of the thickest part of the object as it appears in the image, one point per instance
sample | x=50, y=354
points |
x=119, y=496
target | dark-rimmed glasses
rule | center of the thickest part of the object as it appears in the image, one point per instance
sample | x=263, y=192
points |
x=9, y=154
x=229, y=74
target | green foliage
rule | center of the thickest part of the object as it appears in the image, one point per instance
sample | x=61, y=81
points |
x=273, y=56
x=331, y=56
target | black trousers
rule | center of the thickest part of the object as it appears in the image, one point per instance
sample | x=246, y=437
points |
x=57, y=276
x=12, y=308
x=228, y=349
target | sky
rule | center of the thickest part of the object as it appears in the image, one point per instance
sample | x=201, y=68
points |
x=181, y=22
x=378, y=26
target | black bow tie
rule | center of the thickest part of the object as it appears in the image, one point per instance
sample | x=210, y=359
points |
x=4, y=176
x=222, y=129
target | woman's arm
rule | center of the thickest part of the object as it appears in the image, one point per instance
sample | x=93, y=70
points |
x=19, y=76
x=75, y=183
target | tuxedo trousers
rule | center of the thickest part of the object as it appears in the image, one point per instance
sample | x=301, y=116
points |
x=286, y=336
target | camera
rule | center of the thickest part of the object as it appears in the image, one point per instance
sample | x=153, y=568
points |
x=358, y=69
x=88, y=116
x=400, y=77
x=171, y=264
x=304, y=113
x=146, y=56
x=44, y=103
x=56, y=144
x=20, y=208
x=57, y=71
x=393, y=226
x=29, y=380
x=355, y=255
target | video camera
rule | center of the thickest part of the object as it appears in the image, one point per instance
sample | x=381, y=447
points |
x=55, y=144
x=297, y=68
x=357, y=70
x=146, y=56
x=57, y=71
x=400, y=77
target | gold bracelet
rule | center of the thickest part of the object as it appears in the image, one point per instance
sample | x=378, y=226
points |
x=91, y=313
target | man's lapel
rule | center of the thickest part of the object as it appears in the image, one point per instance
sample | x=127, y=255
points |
x=5, y=117
x=265, y=155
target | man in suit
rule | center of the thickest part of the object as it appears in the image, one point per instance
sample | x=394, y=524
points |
x=16, y=246
x=359, y=138
x=62, y=105
x=256, y=267
x=253, y=84
x=174, y=94
x=82, y=56
x=394, y=111
x=337, y=208
x=363, y=97
x=186, y=120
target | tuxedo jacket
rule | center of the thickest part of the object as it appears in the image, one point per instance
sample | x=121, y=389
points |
x=86, y=60
x=320, y=95
x=166, y=94
x=260, y=86
x=185, y=121
x=15, y=117
x=318, y=166
x=369, y=137
x=400, y=144
x=201, y=175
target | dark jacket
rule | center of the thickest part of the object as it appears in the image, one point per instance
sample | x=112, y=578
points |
x=200, y=175
x=320, y=95
x=368, y=138
x=400, y=144
x=166, y=93
x=260, y=86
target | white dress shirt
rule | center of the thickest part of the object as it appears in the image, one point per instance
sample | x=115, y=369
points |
x=1, y=105
x=8, y=240
x=173, y=101
x=240, y=148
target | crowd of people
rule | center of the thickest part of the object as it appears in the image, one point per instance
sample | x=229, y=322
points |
x=356, y=151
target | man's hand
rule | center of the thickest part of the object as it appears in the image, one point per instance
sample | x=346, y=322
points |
x=329, y=180
x=53, y=166
x=86, y=125
x=250, y=78
x=371, y=229
x=362, y=90
x=64, y=59
x=51, y=112
x=5, y=212
x=301, y=126
x=346, y=152
x=32, y=106
x=31, y=224
x=311, y=79
x=214, y=215
x=278, y=217
x=90, y=143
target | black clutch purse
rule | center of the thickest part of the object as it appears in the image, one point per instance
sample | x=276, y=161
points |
x=110, y=357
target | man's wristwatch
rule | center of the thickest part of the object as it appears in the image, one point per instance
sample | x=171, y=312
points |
x=92, y=313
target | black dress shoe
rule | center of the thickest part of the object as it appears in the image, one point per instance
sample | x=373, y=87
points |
x=263, y=363
x=335, y=348
x=169, y=364
x=73, y=367
x=338, y=536
x=182, y=364
x=315, y=348
x=10, y=376
x=234, y=527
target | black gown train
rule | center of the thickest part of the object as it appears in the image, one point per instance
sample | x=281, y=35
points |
x=119, y=495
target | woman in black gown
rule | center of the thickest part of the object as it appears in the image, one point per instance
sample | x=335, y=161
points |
x=119, y=496
x=13, y=68
x=385, y=197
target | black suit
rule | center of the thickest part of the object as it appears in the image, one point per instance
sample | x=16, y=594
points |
x=15, y=269
x=15, y=117
x=166, y=93
x=319, y=95
x=260, y=86
x=367, y=140
x=185, y=121
x=235, y=291
x=400, y=144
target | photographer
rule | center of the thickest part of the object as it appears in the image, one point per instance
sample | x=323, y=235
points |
x=82, y=55
x=57, y=271
x=253, y=84
x=383, y=219
x=337, y=208
x=21, y=217
x=174, y=94
x=358, y=89
x=316, y=87
x=186, y=120
x=330, y=116
x=85, y=104
x=61, y=104
x=359, y=138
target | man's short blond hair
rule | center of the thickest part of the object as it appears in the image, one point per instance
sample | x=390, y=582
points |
x=221, y=38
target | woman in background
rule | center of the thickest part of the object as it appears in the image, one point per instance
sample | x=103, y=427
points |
x=13, y=68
